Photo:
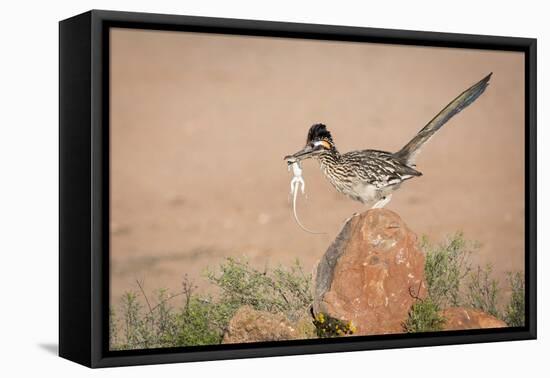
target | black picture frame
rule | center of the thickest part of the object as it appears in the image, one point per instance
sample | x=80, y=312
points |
x=84, y=186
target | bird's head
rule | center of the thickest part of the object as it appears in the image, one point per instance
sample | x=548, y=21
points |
x=318, y=141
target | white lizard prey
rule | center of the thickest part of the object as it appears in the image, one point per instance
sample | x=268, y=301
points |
x=297, y=183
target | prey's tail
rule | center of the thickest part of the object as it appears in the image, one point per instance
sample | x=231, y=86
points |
x=408, y=153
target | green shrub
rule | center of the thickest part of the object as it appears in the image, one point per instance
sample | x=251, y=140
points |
x=424, y=316
x=135, y=326
x=445, y=268
x=196, y=325
x=199, y=320
x=452, y=282
x=483, y=291
x=113, y=330
x=202, y=320
x=514, y=314
x=286, y=291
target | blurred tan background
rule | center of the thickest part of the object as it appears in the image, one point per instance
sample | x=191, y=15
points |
x=200, y=124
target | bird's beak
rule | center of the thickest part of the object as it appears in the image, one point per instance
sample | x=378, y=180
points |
x=305, y=153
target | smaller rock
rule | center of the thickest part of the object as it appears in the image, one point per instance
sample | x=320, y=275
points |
x=249, y=325
x=458, y=318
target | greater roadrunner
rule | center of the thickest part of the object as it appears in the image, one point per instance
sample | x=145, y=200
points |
x=371, y=176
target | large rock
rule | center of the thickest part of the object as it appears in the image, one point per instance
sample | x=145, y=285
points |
x=371, y=274
x=457, y=318
x=249, y=325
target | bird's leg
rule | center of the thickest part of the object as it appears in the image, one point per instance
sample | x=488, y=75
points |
x=383, y=202
x=350, y=218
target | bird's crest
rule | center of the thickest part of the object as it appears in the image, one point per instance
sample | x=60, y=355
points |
x=318, y=132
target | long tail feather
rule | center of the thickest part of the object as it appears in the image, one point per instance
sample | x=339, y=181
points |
x=410, y=150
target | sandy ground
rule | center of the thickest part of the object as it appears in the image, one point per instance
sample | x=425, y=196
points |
x=200, y=124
